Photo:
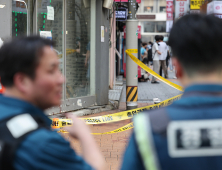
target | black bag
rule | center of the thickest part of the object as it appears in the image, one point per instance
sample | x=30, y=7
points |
x=150, y=57
x=145, y=60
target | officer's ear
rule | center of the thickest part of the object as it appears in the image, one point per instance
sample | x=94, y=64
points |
x=179, y=69
x=23, y=83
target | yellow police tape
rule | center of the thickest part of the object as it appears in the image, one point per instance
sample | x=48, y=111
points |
x=115, y=117
x=142, y=65
x=59, y=123
x=124, y=128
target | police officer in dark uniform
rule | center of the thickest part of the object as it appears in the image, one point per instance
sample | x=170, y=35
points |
x=29, y=71
x=186, y=135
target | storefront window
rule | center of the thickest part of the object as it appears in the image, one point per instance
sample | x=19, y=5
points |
x=148, y=9
x=19, y=18
x=162, y=9
x=161, y=26
x=149, y=6
x=151, y=26
x=77, y=48
x=152, y=6
x=162, y=5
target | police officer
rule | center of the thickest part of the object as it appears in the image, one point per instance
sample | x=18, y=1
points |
x=186, y=135
x=29, y=71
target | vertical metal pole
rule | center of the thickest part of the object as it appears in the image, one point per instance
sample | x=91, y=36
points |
x=131, y=66
x=27, y=18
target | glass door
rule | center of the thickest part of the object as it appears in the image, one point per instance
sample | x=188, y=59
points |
x=77, y=48
x=67, y=22
x=50, y=24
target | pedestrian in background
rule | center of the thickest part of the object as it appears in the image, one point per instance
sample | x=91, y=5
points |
x=143, y=52
x=1, y=42
x=163, y=49
x=150, y=58
x=185, y=135
x=29, y=71
x=156, y=53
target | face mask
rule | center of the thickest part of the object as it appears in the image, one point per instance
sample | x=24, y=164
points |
x=149, y=46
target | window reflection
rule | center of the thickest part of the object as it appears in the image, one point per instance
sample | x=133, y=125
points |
x=78, y=39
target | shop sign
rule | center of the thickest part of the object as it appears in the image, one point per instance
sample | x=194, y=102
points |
x=215, y=7
x=181, y=8
x=138, y=32
x=196, y=4
x=146, y=16
x=210, y=8
x=169, y=9
x=121, y=14
x=137, y=1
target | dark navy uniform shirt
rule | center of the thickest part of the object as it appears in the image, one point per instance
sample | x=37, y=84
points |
x=42, y=149
x=199, y=102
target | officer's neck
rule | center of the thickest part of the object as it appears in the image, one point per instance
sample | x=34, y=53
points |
x=15, y=93
x=210, y=78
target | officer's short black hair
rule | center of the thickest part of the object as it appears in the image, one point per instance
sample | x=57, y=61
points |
x=196, y=41
x=144, y=44
x=157, y=38
x=21, y=55
x=161, y=37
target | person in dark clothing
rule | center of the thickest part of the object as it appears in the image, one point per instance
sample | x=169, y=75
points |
x=150, y=56
x=186, y=135
x=29, y=71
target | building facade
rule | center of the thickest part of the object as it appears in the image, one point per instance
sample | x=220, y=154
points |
x=80, y=29
x=152, y=19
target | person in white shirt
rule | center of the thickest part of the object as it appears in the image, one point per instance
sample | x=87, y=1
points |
x=163, y=49
x=156, y=54
x=1, y=42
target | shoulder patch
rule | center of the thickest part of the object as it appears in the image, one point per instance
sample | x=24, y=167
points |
x=21, y=124
x=195, y=138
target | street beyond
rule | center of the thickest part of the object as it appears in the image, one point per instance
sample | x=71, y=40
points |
x=113, y=146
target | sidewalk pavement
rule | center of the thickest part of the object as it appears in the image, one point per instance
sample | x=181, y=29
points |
x=147, y=91
x=113, y=146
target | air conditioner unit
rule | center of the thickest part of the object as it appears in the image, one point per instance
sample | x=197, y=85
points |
x=108, y=4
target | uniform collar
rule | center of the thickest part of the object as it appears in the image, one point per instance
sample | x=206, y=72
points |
x=211, y=88
x=26, y=106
